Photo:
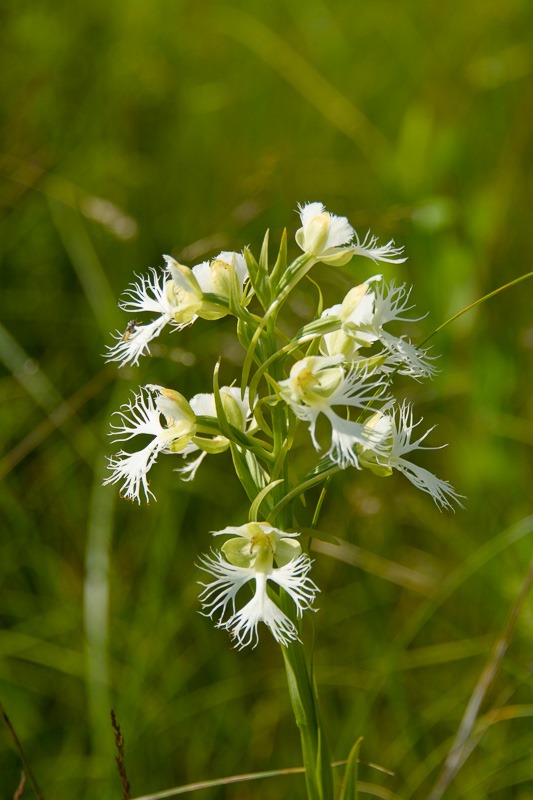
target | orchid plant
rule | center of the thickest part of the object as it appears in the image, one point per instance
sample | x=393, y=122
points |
x=340, y=366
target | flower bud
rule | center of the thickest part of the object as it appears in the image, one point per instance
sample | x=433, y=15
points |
x=234, y=410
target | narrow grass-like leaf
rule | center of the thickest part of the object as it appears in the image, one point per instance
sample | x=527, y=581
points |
x=349, y=785
x=281, y=262
x=253, y=515
x=305, y=485
x=478, y=302
x=314, y=533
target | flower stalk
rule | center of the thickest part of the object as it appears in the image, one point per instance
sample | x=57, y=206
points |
x=335, y=375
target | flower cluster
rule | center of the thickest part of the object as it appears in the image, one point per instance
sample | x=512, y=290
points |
x=335, y=375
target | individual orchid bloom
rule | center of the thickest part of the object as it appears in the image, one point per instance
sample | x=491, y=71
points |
x=316, y=384
x=355, y=313
x=329, y=239
x=177, y=296
x=163, y=415
x=238, y=414
x=216, y=277
x=324, y=236
x=395, y=431
x=259, y=553
x=174, y=295
x=362, y=315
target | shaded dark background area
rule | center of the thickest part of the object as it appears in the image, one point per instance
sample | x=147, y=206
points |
x=132, y=129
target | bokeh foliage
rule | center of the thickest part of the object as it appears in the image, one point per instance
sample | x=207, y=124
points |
x=134, y=128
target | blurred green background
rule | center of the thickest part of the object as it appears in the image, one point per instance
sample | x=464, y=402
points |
x=134, y=128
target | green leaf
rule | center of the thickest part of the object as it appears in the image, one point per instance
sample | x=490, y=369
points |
x=312, y=479
x=216, y=300
x=253, y=515
x=349, y=785
x=263, y=257
x=305, y=707
x=253, y=266
x=316, y=534
x=318, y=327
x=259, y=474
x=280, y=266
x=248, y=471
x=244, y=333
x=259, y=276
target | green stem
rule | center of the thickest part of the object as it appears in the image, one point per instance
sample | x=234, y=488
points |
x=304, y=700
x=299, y=269
x=302, y=690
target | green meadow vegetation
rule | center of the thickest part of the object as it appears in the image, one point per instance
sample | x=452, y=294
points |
x=133, y=129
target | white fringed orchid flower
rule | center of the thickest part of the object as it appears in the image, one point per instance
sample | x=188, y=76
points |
x=177, y=296
x=257, y=553
x=216, y=277
x=363, y=313
x=143, y=416
x=177, y=435
x=238, y=414
x=328, y=239
x=395, y=431
x=324, y=236
x=318, y=383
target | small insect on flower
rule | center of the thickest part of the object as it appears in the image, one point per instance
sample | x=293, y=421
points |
x=131, y=327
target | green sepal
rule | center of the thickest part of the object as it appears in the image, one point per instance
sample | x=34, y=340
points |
x=211, y=446
x=378, y=469
x=349, y=785
x=214, y=306
x=212, y=426
x=216, y=299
